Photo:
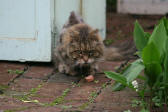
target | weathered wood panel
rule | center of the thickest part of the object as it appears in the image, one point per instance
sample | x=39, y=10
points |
x=143, y=6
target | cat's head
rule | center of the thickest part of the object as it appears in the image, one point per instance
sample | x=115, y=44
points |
x=82, y=43
x=85, y=45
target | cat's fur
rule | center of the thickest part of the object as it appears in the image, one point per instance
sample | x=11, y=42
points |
x=80, y=46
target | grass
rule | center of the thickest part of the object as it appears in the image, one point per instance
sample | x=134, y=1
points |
x=27, y=98
x=16, y=110
x=19, y=72
x=60, y=99
x=91, y=98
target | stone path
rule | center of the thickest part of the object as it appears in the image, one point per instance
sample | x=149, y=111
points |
x=31, y=87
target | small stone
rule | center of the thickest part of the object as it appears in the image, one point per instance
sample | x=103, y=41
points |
x=89, y=78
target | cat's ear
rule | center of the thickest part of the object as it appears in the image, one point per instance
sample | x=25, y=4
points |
x=74, y=19
x=94, y=32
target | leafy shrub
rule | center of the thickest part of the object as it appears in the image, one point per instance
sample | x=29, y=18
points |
x=153, y=60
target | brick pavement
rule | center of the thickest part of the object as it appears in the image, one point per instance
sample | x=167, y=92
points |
x=34, y=87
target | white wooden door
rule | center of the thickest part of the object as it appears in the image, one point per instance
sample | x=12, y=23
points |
x=92, y=11
x=25, y=30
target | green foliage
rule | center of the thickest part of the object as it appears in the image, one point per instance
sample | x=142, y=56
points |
x=159, y=37
x=27, y=98
x=151, y=60
x=19, y=72
x=116, y=76
x=153, y=52
x=60, y=99
x=108, y=42
x=140, y=37
x=128, y=75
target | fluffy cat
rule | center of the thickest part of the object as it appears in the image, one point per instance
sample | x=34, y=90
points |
x=79, y=48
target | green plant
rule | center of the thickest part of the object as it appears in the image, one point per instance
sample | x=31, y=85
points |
x=108, y=42
x=153, y=60
x=60, y=99
x=19, y=72
x=27, y=98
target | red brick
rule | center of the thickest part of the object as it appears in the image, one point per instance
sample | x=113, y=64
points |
x=80, y=93
x=116, y=101
x=25, y=85
x=43, y=109
x=38, y=71
x=6, y=77
x=109, y=65
x=50, y=91
x=8, y=103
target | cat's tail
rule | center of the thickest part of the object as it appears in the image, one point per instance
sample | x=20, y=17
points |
x=124, y=51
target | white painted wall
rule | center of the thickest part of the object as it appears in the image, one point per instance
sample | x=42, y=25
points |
x=143, y=6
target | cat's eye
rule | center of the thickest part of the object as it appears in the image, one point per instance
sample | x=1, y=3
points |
x=90, y=53
x=93, y=53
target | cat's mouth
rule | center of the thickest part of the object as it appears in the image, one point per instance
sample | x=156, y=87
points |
x=83, y=70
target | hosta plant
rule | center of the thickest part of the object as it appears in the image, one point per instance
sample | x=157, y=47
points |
x=152, y=62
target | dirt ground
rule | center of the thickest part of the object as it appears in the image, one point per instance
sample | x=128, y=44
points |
x=40, y=89
x=120, y=26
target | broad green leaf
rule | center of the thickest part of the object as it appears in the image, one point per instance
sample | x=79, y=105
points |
x=140, y=37
x=166, y=63
x=150, y=54
x=118, y=86
x=147, y=35
x=165, y=21
x=166, y=53
x=117, y=77
x=151, y=59
x=159, y=37
x=130, y=73
x=152, y=71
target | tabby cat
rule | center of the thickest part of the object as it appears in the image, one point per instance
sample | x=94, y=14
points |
x=79, y=48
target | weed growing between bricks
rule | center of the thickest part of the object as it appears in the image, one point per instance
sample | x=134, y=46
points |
x=19, y=72
x=27, y=98
x=60, y=99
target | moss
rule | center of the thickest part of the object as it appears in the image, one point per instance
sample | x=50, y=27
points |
x=26, y=98
x=16, y=110
x=3, y=88
x=19, y=72
x=60, y=99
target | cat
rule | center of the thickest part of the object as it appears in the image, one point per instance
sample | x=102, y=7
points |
x=79, y=48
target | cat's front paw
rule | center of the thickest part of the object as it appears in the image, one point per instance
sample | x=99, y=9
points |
x=62, y=68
